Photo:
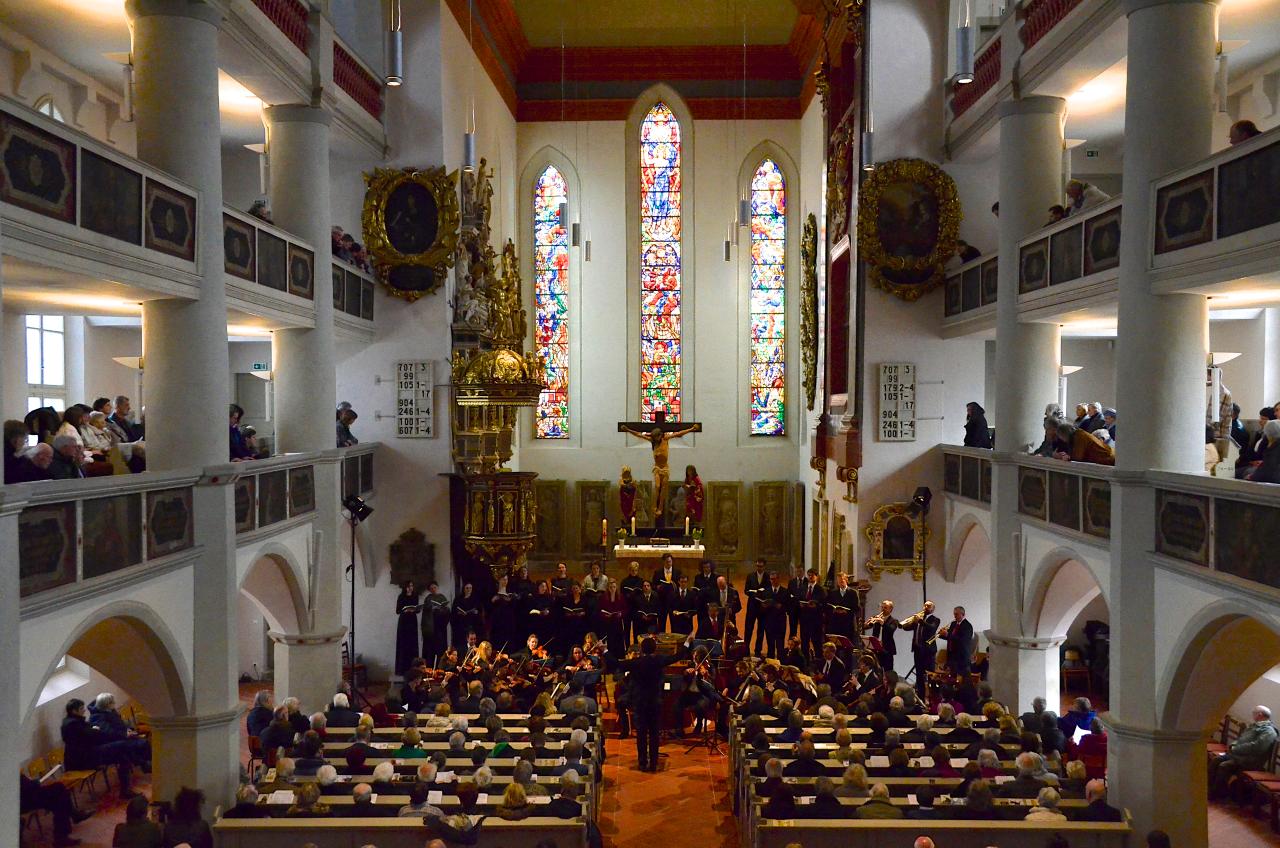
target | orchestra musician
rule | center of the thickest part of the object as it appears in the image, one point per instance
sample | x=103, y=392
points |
x=664, y=583
x=756, y=583
x=684, y=605
x=842, y=609
x=867, y=679
x=959, y=636
x=720, y=604
x=774, y=601
x=699, y=696
x=810, y=604
x=467, y=617
x=924, y=649
x=883, y=627
x=831, y=669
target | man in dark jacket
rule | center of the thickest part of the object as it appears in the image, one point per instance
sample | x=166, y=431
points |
x=645, y=687
x=340, y=713
x=55, y=798
x=805, y=764
x=1098, y=810
x=86, y=748
x=924, y=808
x=259, y=718
x=566, y=804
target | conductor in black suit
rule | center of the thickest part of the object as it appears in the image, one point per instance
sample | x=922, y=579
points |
x=959, y=636
x=645, y=688
x=924, y=649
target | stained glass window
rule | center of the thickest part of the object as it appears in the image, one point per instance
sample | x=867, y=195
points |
x=551, y=302
x=768, y=300
x=660, y=246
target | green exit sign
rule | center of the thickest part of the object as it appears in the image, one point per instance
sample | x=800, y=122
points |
x=260, y=366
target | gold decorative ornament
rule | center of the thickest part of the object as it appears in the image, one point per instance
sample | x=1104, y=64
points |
x=839, y=178
x=897, y=541
x=908, y=220
x=809, y=308
x=410, y=225
x=497, y=378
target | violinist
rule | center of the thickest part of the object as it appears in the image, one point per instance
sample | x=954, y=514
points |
x=611, y=614
x=533, y=649
x=698, y=695
x=582, y=669
x=466, y=616
x=502, y=613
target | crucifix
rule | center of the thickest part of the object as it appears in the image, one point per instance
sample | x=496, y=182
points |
x=658, y=433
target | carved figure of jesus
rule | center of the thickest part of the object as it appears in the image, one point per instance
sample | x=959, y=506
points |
x=658, y=440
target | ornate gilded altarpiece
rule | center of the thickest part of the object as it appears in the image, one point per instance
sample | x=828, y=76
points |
x=908, y=220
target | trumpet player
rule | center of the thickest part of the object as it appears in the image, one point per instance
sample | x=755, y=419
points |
x=959, y=636
x=924, y=649
x=883, y=627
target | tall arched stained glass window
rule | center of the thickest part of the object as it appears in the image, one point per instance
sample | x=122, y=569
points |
x=660, y=354
x=551, y=301
x=768, y=300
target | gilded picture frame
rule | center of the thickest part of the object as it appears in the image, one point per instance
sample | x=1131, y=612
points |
x=908, y=220
x=411, y=219
x=809, y=308
x=897, y=541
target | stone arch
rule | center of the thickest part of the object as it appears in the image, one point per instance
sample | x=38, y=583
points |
x=131, y=644
x=273, y=584
x=1223, y=649
x=967, y=543
x=1057, y=592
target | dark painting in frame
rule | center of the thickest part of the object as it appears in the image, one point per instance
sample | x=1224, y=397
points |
x=1033, y=493
x=302, y=264
x=1102, y=242
x=1249, y=192
x=110, y=198
x=37, y=170
x=1066, y=258
x=338, y=277
x=366, y=300
x=990, y=281
x=112, y=534
x=273, y=261
x=302, y=490
x=1245, y=538
x=46, y=547
x=239, y=248
x=352, y=290
x=954, y=296
x=273, y=497
x=170, y=522
x=246, y=504
x=1097, y=507
x=1182, y=526
x=1033, y=266
x=1064, y=500
x=1184, y=213
x=170, y=221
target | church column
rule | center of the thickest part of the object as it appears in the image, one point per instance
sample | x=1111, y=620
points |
x=1160, y=370
x=1027, y=358
x=175, y=57
x=10, y=645
x=308, y=664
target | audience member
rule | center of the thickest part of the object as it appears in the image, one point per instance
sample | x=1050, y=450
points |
x=1082, y=195
x=515, y=803
x=261, y=209
x=1083, y=446
x=1268, y=470
x=55, y=798
x=418, y=806
x=566, y=805
x=825, y=804
x=1098, y=810
x=1056, y=213
x=1242, y=131
x=306, y=803
x=68, y=458
x=976, y=432
x=87, y=748
x=1250, y=751
x=246, y=806
x=878, y=805
x=185, y=824
x=18, y=464
x=137, y=830
x=346, y=417
x=1046, y=807
x=924, y=808
x=240, y=450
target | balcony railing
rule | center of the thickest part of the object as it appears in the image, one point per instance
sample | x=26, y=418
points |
x=1040, y=16
x=73, y=201
x=986, y=73
x=356, y=80
x=1077, y=251
x=273, y=490
x=971, y=286
x=357, y=469
x=967, y=472
x=290, y=17
x=353, y=291
x=1220, y=218
x=1074, y=495
x=1228, y=526
x=260, y=253
x=82, y=530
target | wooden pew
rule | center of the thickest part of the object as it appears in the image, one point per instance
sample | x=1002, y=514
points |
x=817, y=833
x=389, y=833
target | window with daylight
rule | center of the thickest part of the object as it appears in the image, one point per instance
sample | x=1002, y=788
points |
x=660, y=383
x=551, y=302
x=768, y=300
x=46, y=365
x=46, y=106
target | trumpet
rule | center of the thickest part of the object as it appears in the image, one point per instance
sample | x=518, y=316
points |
x=917, y=616
x=878, y=618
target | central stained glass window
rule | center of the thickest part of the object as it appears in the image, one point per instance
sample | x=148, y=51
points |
x=551, y=301
x=768, y=300
x=660, y=354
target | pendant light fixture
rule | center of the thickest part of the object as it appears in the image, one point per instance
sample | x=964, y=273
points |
x=469, y=137
x=964, y=45
x=395, y=46
x=744, y=204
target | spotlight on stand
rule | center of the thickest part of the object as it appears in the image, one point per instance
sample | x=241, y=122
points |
x=358, y=509
x=920, y=501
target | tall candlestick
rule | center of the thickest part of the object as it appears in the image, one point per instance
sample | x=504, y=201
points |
x=633, y=525
x=686, y=525
x=604, y=532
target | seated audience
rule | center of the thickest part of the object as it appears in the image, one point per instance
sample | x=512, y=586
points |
x=523, y=774
x=246, y=806
x=1079, y=717
x=55, y=798
x=306, y=803
x=825, y=804
x=1026, y=784
x=515, y=803
x=121, y=420
x=1046, y=807
x=284, y=778
x=1268, y=470
x=418, y=806
x=1082, y=195
x=1098, y=810
x=363, y=806
x=854, y=783
x=185, y=824
x=1056, y=213
x=68, y=459
x=878, y=805
x=1092, y=750
x=979, y=804
x=18, y=464
x=137, y=830
x=1249, y=752
x=104, y=716
x=566, y=804
x=258, y=719
x=805, y=764
x=1083, y=446
x=1242, y=131
x=384, y=776
x=781, y=804
x=87, y=748
x=410, y=740
x=924, y=808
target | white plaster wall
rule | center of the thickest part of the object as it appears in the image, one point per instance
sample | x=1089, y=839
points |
x=241, y=177
x=253, y=658
x=103, y=377
x=1096, y=379
x=714, y=306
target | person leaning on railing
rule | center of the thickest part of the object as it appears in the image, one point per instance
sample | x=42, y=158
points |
x=1082, y=446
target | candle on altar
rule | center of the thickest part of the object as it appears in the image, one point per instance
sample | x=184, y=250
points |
x=686, y=525
x=604, y=532
x=633, y=525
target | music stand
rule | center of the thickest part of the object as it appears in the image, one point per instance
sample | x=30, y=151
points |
x=356, y=512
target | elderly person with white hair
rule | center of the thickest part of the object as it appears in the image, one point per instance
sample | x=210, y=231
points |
x=1046, y=807
x=427, y=772
x=259, y=718
x=1098, y=810
x=483, y=778
x=112, y=728
x=826, y=716
x=1027, y=784
x=1249, y=752
x=319, y=724
x=523, y=774
x=384, y=777
x=327, y=780
x=878, y=805
x=853, y=784
x=459, y=722
x=1269, y=470
x=68, y=458
x=457, y=742
x=946, y=715
x=340, y=713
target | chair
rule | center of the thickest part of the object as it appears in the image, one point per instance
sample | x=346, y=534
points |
x=1267, y=791
x=1250, y=779
x=256, y=754
x=35, y=770
x=1075, y=668
x=78, y=778
x=355, y=675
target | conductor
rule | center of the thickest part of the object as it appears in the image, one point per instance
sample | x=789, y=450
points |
x=646, y=672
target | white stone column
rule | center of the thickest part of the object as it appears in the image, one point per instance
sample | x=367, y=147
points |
x=307, y=666
x=11, y=501
x=1160, y=371
x=303, y=359
x=175, y=57
x=1270, y=360
x=1027, y=358
x=13, y=364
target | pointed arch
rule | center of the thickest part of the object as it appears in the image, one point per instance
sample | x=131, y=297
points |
x=539, y=302
x=660, y=349
x=272, y=585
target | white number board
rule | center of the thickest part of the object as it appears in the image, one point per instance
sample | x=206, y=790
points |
x=897, y=402
x=415, y=396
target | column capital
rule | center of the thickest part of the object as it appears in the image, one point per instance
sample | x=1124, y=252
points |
x=308, y=639
x=192, y=723
x=1036, y=105
x=197, y=9
x=299, y=113
x=1031, y=643
x=1150, y=735
x=1131, y=6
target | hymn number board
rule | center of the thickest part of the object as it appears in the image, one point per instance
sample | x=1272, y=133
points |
x=897, y=402
x=415, y=388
